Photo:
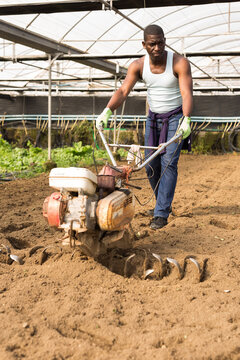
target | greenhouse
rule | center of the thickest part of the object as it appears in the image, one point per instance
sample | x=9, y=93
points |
x=119, y=179
x=76, y=54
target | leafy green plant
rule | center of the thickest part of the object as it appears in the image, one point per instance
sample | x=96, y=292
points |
x=32, y=160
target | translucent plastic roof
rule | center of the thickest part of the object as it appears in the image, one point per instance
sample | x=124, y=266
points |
x=198, y=28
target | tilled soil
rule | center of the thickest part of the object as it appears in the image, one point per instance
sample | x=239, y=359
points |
x=67, y=306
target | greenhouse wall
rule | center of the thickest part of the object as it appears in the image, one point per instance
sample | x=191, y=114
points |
x=204, y=105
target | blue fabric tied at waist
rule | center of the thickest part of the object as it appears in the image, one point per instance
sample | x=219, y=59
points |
x=153, y=140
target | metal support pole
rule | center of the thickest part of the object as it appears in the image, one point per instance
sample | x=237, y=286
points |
x=115, y=111
x=115, y=120
x=49, y=106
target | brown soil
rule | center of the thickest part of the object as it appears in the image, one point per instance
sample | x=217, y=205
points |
x=72, y=307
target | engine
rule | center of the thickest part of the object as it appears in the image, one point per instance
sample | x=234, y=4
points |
x=88, y=208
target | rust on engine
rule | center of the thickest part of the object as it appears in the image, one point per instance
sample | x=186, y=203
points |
x=106, y=182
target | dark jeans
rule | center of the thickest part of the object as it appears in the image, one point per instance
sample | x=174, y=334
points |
x=164, y=191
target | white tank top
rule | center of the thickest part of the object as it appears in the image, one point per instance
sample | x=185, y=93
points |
x=163, y=92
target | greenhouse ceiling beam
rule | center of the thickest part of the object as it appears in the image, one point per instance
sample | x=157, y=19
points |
x=218, y=76
x=212, y=53
x=84, y=57
x=94, y=78
x=81, y=5
x=99, y=78
x=112, y=89
x=28, y=38
x=73, y=57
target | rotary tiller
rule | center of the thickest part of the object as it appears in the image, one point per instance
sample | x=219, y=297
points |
x=94, y=211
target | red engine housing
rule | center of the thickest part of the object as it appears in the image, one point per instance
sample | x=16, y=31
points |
x=54, y=208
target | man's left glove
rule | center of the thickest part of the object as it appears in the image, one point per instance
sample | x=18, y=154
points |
x=184, y=127
x=103, y=118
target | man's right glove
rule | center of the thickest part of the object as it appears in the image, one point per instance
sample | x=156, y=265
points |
x=184, y=127
x=103, y=118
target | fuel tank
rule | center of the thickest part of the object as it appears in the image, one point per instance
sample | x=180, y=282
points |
x=115, y=210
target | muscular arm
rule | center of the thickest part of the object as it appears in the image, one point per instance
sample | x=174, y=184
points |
x=183, y=70
x=132, y=77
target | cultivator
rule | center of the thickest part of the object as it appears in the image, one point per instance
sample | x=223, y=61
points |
x=95, y=213
x=142, y=263
x=91, y=210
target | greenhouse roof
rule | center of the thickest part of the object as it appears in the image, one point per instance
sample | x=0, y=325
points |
x=91, y=43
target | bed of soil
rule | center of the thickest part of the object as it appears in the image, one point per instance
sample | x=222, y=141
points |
x=67, y=306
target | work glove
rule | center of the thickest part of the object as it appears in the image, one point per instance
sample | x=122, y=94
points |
x=184, y=127
x=103, y=118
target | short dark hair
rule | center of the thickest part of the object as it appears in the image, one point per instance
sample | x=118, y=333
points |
x=152, y=30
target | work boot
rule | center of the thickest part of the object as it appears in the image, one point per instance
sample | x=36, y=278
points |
x=151, y=211
x=158, y=223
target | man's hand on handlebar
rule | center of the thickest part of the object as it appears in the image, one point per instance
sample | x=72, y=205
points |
x=184, y=127
x=103, y=118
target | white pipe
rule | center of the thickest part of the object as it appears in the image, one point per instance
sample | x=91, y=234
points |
x=49, y=106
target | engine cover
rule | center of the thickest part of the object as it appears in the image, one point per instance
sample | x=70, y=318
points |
x=115, y=210
x=54, y=208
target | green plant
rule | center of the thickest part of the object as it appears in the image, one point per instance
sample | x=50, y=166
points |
x=32, y=160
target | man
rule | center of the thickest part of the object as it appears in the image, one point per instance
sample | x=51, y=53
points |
x=169, y=93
